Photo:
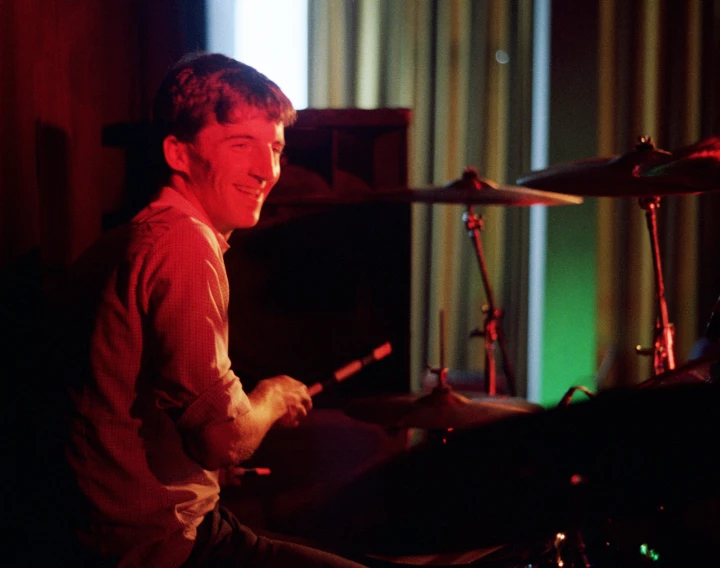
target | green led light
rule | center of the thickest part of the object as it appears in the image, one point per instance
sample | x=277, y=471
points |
x=648, y=552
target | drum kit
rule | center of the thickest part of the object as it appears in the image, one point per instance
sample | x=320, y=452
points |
x=568, y=468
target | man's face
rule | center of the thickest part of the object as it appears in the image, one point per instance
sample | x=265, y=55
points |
x=234, y=166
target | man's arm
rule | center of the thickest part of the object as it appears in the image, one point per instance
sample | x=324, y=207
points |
x=186, y=294
x=279, y=399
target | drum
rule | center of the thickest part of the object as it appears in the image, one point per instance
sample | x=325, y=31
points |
x=589, y=472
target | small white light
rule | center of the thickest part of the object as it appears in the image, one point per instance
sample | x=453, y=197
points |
x=501, y=56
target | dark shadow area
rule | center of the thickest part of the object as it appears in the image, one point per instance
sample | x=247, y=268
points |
x=627, y=468
x=37, y=491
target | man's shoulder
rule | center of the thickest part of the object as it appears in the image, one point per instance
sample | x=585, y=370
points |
x=156, y=224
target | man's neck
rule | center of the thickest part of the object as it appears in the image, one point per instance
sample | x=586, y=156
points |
x=179, y=185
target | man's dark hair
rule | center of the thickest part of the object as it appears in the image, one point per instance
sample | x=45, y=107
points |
x=202, y=86
x=205, y=85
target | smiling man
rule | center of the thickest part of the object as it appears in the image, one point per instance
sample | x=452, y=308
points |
x=156, y=408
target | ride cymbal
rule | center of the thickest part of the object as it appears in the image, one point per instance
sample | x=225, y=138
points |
x=616, y=176
x=441, y=409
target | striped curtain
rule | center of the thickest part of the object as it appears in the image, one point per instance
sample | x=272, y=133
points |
x=462, y=66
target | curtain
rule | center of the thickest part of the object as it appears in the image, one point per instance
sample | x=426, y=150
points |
x=70, y=68
x=446, y=61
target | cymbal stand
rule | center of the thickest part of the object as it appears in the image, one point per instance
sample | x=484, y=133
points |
x=662, y=350
x=491, y=330
x=442, y=389
x=441, y=371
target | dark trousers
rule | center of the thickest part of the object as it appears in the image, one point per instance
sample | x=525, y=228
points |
x=223, y=542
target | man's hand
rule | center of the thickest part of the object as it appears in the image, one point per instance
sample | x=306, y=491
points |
x=279, y=400
x=287, y=396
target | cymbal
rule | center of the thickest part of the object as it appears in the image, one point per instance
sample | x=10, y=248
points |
x=473, y=190
x=468, y=190
x=616, y=176
x=695, y=169
x=697, y=371
x=439, y=410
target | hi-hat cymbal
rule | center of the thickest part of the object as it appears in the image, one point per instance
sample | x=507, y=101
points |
x=616, y=176
x=473, y=190
x=694, y=169
x=439, y=410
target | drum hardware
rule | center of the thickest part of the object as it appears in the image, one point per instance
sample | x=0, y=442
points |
x=471, y=190
x=694, y=169
x=443, y=409
x=440, y=410
x=594, y=467
x=663, y=332
x=564, y=547
x=491, y=330
x=623, y=176
x=567, y=397
x=712, y=328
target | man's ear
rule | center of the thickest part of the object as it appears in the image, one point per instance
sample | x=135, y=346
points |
x=176, y=154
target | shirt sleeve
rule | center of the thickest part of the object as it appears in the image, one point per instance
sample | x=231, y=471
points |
x=185, y=297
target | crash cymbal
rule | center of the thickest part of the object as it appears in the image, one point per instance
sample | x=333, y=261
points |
x=616, y=176
x=441, y=409
x=473, y=190
x=694, y=169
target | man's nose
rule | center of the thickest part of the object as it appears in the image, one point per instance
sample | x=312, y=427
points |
x=265, y=166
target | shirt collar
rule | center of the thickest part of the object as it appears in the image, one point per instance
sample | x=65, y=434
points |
x=173, y=198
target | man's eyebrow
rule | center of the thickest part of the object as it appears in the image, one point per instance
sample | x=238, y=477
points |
x=240, y=136
x=230, y=137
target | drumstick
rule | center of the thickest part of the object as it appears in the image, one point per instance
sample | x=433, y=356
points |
x=351, y=368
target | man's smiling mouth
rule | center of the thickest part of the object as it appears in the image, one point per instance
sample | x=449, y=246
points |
x=256, y=193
